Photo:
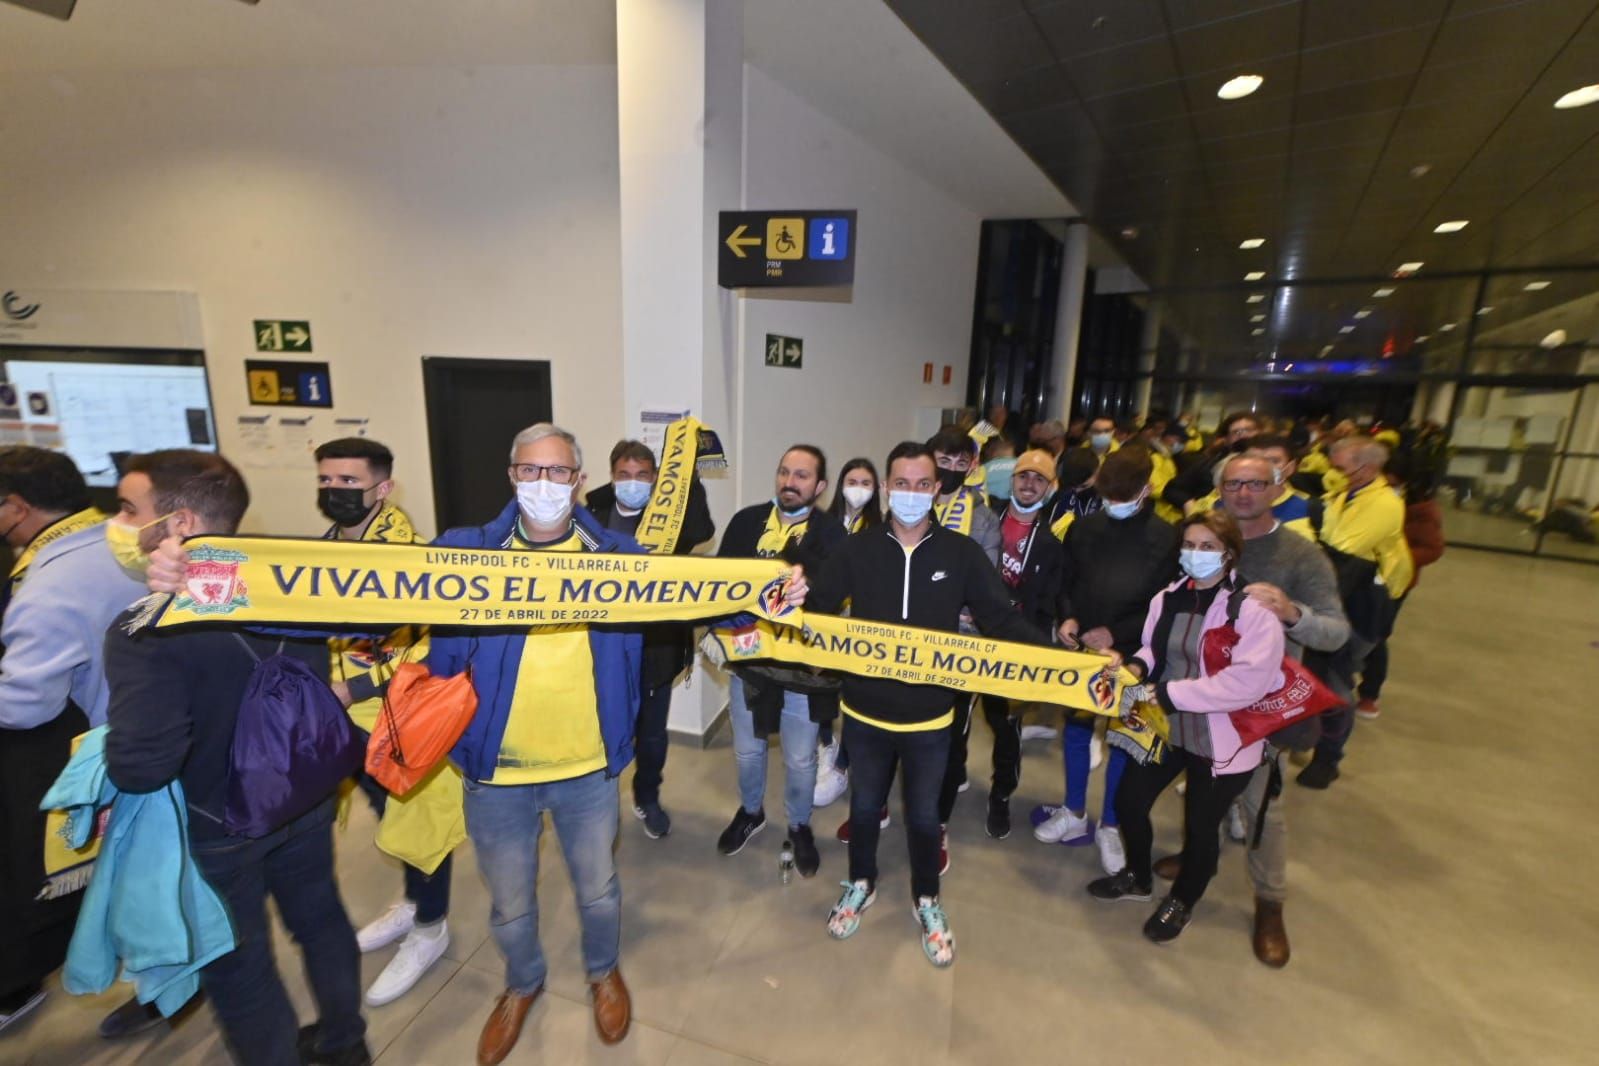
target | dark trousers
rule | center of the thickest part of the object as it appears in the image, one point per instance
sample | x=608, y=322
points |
x=1340, y=673
x=960, y=732
x=430, y=892
x=294, y=865
x=1205, y=804
x=923, y=756
x=1376, y=671
x=1007, y=746
x=650, y=743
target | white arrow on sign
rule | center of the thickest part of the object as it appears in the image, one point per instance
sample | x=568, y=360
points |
x=296, y=336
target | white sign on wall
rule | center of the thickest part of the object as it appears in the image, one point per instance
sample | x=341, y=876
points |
x=98, y=319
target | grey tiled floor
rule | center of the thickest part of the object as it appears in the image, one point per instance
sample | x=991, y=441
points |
x=1441, y=910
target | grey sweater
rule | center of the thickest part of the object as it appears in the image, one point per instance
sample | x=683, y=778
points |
x=1301, y=569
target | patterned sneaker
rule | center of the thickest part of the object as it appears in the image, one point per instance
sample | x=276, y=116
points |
x=845, y=917
x=938, y=943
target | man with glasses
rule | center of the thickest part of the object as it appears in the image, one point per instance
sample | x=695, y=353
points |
x=1288, y=505
x=1292, y=578
x=668, y=646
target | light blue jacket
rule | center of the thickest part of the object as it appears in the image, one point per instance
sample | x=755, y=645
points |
x=54, y=631
x=147, y=910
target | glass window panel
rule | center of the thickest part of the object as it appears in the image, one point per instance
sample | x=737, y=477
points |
x=1570, y=523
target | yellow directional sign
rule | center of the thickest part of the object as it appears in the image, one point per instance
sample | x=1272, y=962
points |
x=264, y=386
x=785, y=238
x=737, y=238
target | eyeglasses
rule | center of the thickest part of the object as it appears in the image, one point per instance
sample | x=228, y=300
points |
x=561, y=475
x=1253, y=485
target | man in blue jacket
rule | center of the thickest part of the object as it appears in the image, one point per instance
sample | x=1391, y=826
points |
x=553, y=731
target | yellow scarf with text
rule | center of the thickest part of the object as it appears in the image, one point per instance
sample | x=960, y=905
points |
x=63, y=527
x=689, y=445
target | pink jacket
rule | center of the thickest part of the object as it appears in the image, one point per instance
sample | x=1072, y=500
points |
x=1255, y=670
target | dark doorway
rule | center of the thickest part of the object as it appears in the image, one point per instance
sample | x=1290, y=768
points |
x=475, y=407
x=1013, y=324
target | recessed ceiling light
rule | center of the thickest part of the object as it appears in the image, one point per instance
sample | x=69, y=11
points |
x=1364, y=312
x=1256, y=332
x=1254, y=298
x=1254, y=275
x=1554, y=339
x=1421, y=170
x=1484, y=310
x=1241, y=86
x=1408, y=268
x=1346, y=329
x=1251, y=242
x=1257, y=318
x=1325, y=351
x=1130, y=233
x=1535, y=286
x=1422, y=339
x=1454, y=226
x=1588, y=94
x=1386, y=290
x=1446, y=327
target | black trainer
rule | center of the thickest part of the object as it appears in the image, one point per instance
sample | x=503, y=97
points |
x=657, y=823
x=1168, y=921
x=807, y=860
x=1319, y=774
x=738, y=832
x=1122, y=886
x=998, y=817
x=354, y=1055
x=130, y=1019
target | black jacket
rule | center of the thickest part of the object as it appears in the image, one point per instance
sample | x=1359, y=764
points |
x=823, y=534
x=926, y=587
x=668, y=646
x=1112, y=569
x=175, y=697
x=1196, y=478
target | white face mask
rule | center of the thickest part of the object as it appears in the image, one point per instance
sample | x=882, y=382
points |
x=544, y=502
x=1124, y=510
x=1028, y=508
x=633, y=494
x=1100, y=441
x=1199, y=564
x=910, y=507
x=858, y=495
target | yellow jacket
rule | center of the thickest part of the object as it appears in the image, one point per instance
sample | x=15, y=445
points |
x=1164, y=471
x=1370, y=523
x=423, y=826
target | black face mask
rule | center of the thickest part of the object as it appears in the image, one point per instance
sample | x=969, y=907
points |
x=1239, y=447
x=346, y=507
x=950, y=480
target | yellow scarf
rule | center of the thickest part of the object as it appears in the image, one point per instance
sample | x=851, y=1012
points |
x=689, y=445
x=62, y=527
x=776, y=535
x=955, y=514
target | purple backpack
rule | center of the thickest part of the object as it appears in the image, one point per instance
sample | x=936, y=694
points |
x=292, y=746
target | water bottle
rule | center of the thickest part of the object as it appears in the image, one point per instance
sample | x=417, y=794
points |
x=785, y=862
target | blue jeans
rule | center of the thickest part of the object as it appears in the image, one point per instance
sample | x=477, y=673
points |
x=295, y=866
x=649, y=744
x=505, y=822
x=797, y=734
x=1075, y=747
x=430, y=892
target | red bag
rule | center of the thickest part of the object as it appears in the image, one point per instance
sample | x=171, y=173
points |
x=1301, y=696
x=423, y=717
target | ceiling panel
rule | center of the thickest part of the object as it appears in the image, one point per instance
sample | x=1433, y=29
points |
x=1377, y=120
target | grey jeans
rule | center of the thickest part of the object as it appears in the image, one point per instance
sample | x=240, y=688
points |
x=1268, y=862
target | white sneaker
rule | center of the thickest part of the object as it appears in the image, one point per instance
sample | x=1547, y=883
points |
x=830, y=785
x=1061, y=826
x=826, y=757
x=1111, y=855
x=1039, y=732
x=1237, y=831
x=394, y=923
x=420, y=949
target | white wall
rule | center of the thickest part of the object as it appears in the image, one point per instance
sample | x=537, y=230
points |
x=406, y=212
x=915, y=278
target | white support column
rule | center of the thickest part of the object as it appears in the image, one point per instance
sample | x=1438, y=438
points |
x=1069, y=320
x=1148, y=339
x=680, y=101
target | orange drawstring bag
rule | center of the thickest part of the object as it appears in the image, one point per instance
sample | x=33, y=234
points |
x=422, y=718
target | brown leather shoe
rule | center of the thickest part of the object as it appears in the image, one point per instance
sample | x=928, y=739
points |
x=1271, y=936
x=1169, y=867
x=504, y=1026
x=613, y=1007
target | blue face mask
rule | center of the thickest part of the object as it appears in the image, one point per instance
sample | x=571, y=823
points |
x=633, y=494
x=795, y=513
x=996, y=477
x=1100, y=441
x=910, y=507
x=1201, y=565
x=1032, y=507
x=1124, y=510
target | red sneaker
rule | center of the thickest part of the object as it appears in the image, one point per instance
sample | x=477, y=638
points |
x=943, y=850
x=843, y=829
x=1368, y=710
